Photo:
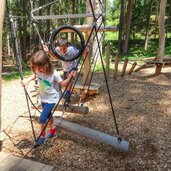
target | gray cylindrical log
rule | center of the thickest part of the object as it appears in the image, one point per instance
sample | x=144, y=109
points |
x=94, y=135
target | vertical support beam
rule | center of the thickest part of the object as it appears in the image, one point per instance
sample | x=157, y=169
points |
x=158, y=68
x=124, y=67
x=107, y=60
x=162, y=37
x=2, y=11
x=116, y=66
x=132, y=68
x=97, y=43
x=86, y=73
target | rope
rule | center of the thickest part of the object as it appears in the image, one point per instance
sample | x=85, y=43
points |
x=110, y=99
x=34, y=24
x=18, y=61
x=95, y=62
x=33, y=10
x=10, y=126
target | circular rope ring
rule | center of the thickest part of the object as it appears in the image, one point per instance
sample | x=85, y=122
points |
x=53, y=47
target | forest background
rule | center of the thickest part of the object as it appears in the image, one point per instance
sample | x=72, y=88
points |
x=137, y=22
x=142, y=104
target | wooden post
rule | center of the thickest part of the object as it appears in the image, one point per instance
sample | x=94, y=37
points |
x=89, y=21
x=124, y=67
x=86, y=74
x=132, y=68
x=158, y=68
x=161, y=48
x=97, y=43
x=1, y=30
x=69, y=108
x=107, y=60
x=116, y=66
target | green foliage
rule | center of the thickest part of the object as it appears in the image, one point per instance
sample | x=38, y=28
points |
x=140, y=20
x=14, y=75
x=98, y=68
x=136, y=47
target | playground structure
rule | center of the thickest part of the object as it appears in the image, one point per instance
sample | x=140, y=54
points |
x=134, y=95
x=87, y=77
x=117, y=141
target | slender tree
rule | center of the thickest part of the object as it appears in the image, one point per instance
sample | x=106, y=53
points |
x=121, y=25
x=161, y=23
x=23, y=38
x=2, y=11
x=147, y=29
x=128, y=26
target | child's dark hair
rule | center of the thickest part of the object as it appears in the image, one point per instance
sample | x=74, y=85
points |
x=40, y=58
x=62, y=42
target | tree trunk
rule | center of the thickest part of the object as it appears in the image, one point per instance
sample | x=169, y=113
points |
x=2, y=11
x=19, y=28
x=121, y=24
x=168, y=13
x=89, y=21
x=8, y=45
x=128, y=26
x=161, y=23
x=97, y=49
x=24, y=32
x=148, y=25
x=156, y=19
x=40, y=25
x=49, y=23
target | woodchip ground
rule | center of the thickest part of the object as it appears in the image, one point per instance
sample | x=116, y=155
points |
x=143, y=113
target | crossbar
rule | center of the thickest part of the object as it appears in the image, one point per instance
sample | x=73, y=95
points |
x=47, y=17
x=69, y=108
x=87, y=27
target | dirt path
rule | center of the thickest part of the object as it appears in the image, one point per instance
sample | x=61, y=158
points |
x=142, y=108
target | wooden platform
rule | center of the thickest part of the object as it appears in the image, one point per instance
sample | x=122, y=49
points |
x=144, y=66
x=70, y=108
x=93, y=88
x=156, y=62
x=10, y=162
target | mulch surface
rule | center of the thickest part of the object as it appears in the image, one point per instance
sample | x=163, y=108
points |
x=142, y=109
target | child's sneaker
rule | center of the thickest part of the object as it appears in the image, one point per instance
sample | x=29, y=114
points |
x=40, y=141
x=50, y=135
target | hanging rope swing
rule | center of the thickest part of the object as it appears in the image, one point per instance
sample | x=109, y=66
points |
x=75, y=39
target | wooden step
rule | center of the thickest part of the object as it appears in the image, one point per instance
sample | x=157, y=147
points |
x=10, y=162
x=70, y=108
x=94, y=88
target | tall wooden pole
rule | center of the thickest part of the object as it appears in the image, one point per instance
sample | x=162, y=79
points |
x=2, y=11
x=86, y=74
x=161, y=48
x=108, y=47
